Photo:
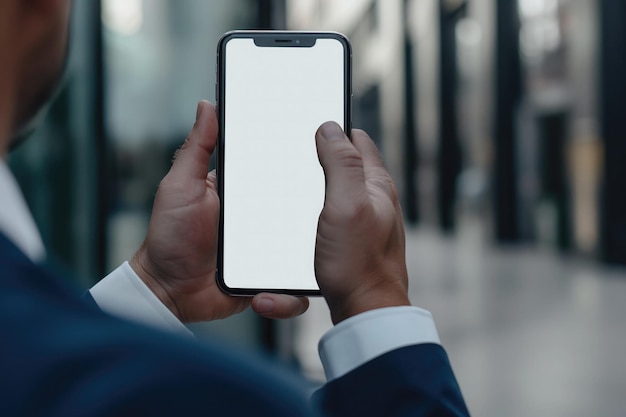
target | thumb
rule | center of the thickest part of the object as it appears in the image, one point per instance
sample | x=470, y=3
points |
x=342, y=164
x=193, y=158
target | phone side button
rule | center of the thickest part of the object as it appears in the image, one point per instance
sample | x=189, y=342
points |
x=351, y=111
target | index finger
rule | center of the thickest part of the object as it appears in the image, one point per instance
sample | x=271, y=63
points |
x=376, y=173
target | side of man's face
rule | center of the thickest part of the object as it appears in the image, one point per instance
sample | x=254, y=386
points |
x=43, y=58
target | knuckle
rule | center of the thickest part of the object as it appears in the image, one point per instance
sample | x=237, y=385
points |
x=360, y=212
x=349, y=214
x=387, y=186
x=349, y=157
x=393, y=191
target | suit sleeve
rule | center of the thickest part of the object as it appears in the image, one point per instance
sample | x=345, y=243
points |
x=88, y=299
x=411, y=381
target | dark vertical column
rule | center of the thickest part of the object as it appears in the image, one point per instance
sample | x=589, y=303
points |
x=100, y=140
x=507, y=94
x=449, y=158
x=554, y=184
x=411, y=156
x=613, y=100
x=265, y=14
x=272, y=14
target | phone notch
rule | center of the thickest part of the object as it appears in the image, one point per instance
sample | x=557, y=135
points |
x=284, y=41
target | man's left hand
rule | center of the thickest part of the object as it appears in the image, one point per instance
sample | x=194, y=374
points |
x=177, y=260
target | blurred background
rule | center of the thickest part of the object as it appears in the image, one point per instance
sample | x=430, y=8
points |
x=500, y=120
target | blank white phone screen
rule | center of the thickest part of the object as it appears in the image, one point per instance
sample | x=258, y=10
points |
x=273, y=192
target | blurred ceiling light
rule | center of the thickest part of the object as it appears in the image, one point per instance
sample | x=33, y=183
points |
x=530, y=8
x=123, y=16
x=537, y=8
x=540, y=32
x=551, y=6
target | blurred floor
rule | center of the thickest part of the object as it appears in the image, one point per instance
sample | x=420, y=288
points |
x=529, y=332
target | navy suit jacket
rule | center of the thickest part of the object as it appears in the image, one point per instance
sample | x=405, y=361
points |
x=62, y=356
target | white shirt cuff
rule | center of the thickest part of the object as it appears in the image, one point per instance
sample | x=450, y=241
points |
x=368, y=335
x=123, y=294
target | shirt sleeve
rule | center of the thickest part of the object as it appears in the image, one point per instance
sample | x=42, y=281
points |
x=123, y=294
x=361, y=338
x=345, y=347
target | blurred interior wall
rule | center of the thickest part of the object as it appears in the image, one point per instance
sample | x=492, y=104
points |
x=502, y=103
x=399, y=93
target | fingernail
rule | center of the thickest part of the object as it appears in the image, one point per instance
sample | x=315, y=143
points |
x=331, y=131
x=265, y=305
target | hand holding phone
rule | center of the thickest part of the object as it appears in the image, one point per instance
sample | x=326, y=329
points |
x=360, y=259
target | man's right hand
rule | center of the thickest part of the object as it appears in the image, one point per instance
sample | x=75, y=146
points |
x=360, y=260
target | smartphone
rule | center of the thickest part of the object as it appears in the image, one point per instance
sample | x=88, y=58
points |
x=274, y=90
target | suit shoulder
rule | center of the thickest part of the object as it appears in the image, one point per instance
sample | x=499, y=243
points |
x=62, y=356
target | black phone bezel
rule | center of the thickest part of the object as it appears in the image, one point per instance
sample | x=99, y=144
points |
x=287, y=39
